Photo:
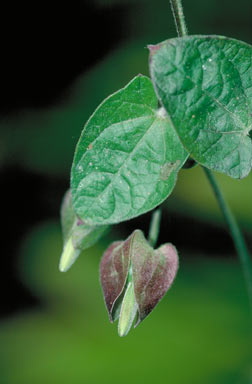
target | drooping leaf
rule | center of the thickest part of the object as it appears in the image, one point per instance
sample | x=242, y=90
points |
x=114, y=270
x=67, y=216
x=153, y=272
x=205, y=84
x=68, y=256
x=136, y=277
x=77, y=235
x=127, y=159
x=85, y=236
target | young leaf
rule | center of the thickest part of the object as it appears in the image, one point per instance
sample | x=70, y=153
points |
x=68, y=256
x=128, y=310
x=153, y=273
x=67, y=216
x=114, y=270
x=205, y=84
x=135, y=277
x=127, y=159
x=77, y=236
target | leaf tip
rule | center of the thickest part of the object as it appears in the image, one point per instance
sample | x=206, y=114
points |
x=128, y=311
x=153, y=48
x=68, y=257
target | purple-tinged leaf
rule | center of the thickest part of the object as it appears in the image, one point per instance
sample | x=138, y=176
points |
x=114, y=270
x=153, y=274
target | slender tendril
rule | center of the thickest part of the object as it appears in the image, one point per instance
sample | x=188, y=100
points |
x=154, y=227
x=238, y=239
x=235, y=232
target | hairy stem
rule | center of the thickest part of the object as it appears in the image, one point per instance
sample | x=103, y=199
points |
x=234, y=229
x=179, y=18
x=235, y=232
x=154, y=227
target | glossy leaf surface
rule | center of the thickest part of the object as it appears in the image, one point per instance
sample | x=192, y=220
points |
x=127, y=158
x=205, y=84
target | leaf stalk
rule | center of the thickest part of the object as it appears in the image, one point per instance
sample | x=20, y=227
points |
x=178, y=14
x=154, y=228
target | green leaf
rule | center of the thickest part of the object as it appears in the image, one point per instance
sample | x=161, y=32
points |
x=128, y=310
x=77, y=235
x=68, y=256
x=67, y=216
x=205, y=84
x=127, y=159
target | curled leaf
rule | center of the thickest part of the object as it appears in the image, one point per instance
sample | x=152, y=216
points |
x=135, y=277
x=114, y=270
x=68, y=256
x=77, y=235
x=128, y=310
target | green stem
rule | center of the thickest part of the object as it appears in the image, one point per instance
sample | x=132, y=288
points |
x=235, y=232
x=179, y=18
x=154, y=227
x=234, y=229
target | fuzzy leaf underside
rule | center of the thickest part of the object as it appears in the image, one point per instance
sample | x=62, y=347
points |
x=153, y=272
x=127, y=159
x=114, y=270
x=83, y=235
x=205, y=84
x=67, y=216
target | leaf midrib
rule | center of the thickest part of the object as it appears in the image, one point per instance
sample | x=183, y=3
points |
x=155, y=118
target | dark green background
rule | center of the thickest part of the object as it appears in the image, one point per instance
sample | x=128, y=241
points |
x=59, y=61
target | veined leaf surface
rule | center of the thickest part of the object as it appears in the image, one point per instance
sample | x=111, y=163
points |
x=127, y=159
x=205, y=85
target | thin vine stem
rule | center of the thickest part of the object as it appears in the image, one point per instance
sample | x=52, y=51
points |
x=178, y=14
x=154, y=227
x=235, y=232
x=238, y=239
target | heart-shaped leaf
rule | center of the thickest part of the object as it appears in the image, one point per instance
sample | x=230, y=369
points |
x=77, y=236
x=153, y=272
x=135, y=277
x=127, y=159
x=205, y=84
